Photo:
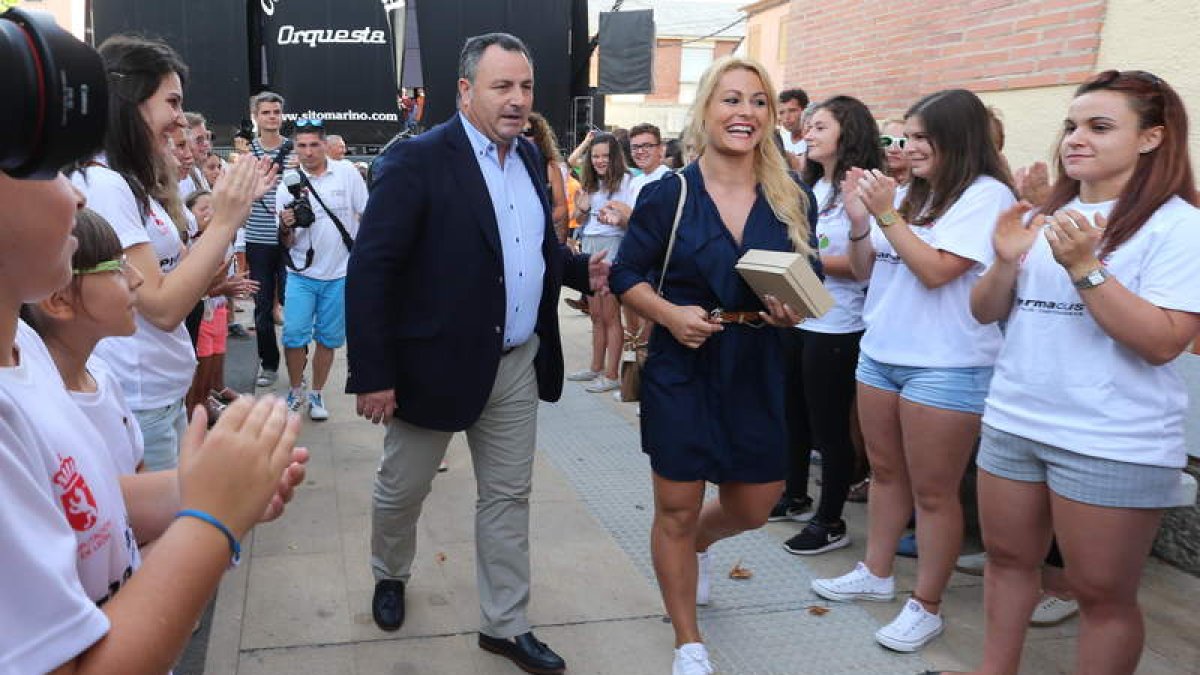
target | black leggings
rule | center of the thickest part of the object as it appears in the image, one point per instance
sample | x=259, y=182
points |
x=820, y=393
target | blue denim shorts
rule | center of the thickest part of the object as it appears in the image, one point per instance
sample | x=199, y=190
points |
x=960, y=389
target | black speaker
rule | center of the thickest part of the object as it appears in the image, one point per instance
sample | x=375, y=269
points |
x=543, y=25
x=211, y=38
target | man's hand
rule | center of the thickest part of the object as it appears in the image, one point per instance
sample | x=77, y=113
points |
x=288, y=217
x=598, y=269
x=377, y=406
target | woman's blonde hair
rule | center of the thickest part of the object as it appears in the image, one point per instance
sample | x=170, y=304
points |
x=788, y=202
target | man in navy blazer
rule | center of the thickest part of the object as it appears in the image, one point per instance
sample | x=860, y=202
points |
x=451, y=313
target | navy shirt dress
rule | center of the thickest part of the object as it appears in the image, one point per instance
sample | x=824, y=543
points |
x=715, y=413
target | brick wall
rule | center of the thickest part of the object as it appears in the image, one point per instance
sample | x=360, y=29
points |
x=666, y=71
x=890, y=54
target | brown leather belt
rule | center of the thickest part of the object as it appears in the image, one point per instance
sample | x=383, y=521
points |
x=743, y=318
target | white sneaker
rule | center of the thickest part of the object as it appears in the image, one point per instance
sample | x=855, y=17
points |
x=703, y=580
x=691, y=659
x=266, y=378
x=912, y=628
x=1051, y=611
x=317, y=411
x=295, y=400
x=971, y=564
x=858, y=584
x=601, y=385
x=583, y=375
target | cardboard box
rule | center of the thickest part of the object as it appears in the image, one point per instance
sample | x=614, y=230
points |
x=788, y=277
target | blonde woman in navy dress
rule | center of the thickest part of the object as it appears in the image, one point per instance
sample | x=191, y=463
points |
x=713, y=391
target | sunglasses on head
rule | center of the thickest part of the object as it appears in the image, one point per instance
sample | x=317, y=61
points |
x=888, y=141
x=309, y=122
x=115, y=265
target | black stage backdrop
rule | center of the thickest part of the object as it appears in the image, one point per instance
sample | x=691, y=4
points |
x=333, y=60
x=544, y=26
x=211, y=38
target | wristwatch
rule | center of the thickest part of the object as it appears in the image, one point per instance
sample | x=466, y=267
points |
x=888, y=218
x=1092, y=279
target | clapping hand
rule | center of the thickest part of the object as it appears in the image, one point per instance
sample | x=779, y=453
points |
x=852, y=201
x=1074, y=240
x=1013, y=236
x=877, y=191
x=1033, y=183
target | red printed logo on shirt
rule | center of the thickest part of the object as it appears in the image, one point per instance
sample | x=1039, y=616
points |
x=77, y=500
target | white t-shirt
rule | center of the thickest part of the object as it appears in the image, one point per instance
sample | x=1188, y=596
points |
x=793, y=148
x=1061, y=380
x=110, y=414
x=155, y=366
x=593, y=227
x=911, y=325
x=343, y=190
x=67, y=546
x=639, y=182
x=833, y=237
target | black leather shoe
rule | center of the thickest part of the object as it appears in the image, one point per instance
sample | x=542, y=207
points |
x=530, y=655
x=388, y=604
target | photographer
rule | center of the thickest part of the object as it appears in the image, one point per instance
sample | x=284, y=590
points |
x=319, y=207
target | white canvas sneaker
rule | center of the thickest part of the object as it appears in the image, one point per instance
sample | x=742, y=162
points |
x=912, y=628
x=1051, y=611
x=583, y=375
x=691, y=659
x=858, y=584
x=703, y=581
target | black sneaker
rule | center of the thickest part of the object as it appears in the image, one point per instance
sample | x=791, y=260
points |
x=790, y=508
x=818, y=538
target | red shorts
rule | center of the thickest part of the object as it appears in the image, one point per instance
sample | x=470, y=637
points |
x=211, y=338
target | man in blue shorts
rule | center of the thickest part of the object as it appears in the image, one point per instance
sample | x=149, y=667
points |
x=318, y=248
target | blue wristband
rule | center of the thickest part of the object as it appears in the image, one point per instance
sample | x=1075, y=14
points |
x=234, y=547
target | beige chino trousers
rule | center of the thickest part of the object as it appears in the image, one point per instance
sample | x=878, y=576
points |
x=501, y=442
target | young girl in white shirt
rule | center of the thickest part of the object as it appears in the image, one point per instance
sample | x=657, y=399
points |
x=605, y=195
x=70, y=601
x=1083, y=429
x=925, y=363
x=821, y=354
x=157, y=362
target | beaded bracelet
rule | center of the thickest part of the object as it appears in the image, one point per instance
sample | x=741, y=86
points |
x=235, y=548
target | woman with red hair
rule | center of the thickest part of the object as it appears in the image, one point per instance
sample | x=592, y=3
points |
x=1083, y=426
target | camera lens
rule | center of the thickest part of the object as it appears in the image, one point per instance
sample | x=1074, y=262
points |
x=56, y=102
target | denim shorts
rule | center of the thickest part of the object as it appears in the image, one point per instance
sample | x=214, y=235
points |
x=162, y=430
x=1081, y=478
x=315, y=309
x=960, y=389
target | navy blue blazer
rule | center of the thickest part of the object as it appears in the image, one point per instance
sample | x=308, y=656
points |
x=425, y=299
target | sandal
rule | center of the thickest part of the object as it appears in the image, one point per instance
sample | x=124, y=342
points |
x=214, y=408
x=224, y=396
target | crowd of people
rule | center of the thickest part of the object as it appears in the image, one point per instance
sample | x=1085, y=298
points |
x=1024, y=325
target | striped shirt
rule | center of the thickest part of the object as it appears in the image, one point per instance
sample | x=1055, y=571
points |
x=262, y=226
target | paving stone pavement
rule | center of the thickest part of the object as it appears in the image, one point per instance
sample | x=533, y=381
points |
x=300, y=603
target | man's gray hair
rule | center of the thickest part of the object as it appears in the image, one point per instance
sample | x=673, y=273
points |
x=195, y=119
x=473, y=48
x=264, y=97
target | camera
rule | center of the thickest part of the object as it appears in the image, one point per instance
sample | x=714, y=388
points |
x=56, y=97
x=299, y=205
